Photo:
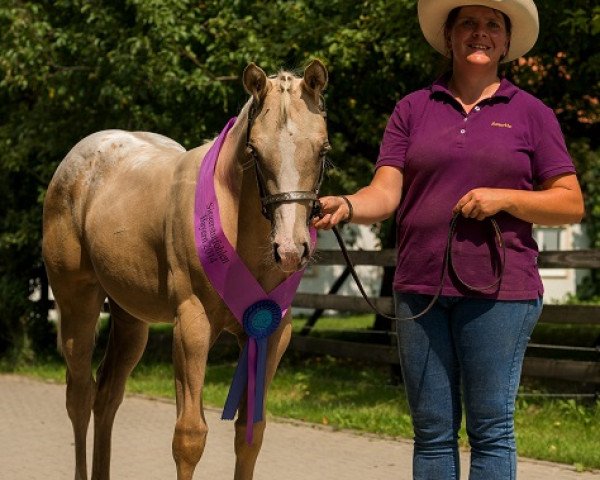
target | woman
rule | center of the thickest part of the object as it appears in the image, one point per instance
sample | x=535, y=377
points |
x=473, y=144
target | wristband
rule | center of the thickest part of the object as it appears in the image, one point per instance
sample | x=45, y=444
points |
x=350, y=210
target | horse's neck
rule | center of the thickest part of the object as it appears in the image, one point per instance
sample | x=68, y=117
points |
x=239, y=204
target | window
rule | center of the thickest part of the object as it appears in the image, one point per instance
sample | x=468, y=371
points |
x=551, y=239
x=548, y=238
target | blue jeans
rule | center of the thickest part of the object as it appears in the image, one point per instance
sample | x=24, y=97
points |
x=476, y=344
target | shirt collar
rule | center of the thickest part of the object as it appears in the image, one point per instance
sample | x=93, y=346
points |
x=506, y=91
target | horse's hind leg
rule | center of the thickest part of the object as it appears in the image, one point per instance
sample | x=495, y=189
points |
x=245, y=454
x=192, y=337
x=80, y=303
x=126, y=344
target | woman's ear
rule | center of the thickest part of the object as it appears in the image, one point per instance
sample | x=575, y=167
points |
x=506, y=48
x=448, y=41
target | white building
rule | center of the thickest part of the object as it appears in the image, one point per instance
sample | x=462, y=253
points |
x=560, y=282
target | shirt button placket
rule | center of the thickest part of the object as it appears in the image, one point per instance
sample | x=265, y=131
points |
x=460, y=141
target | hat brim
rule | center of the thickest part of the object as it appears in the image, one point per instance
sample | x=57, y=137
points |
x=523, y=16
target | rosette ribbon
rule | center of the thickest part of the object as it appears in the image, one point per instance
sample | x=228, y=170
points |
x=259, y=313
x=259, y=320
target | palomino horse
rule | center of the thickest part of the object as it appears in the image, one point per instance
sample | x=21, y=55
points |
x=119, y=224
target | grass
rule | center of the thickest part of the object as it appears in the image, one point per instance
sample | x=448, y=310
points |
x=559, y=430
x=350, y=395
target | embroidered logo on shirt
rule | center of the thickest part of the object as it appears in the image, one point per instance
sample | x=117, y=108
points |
x=501, y=125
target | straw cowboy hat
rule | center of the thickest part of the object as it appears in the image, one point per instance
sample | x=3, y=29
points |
x=522, y=13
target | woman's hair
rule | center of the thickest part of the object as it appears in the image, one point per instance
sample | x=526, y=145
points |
x=451, y=20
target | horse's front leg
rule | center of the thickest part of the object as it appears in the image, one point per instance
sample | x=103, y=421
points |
x=245, y=454
x=191, y=343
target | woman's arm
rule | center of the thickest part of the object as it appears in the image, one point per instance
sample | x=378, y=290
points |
x=373, y=203
x=559, y=202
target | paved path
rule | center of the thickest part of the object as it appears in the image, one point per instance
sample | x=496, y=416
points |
x=36, y=443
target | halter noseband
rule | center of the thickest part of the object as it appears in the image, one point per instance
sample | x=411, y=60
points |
x=267, y=199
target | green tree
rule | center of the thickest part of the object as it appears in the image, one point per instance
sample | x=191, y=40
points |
x=72, y=67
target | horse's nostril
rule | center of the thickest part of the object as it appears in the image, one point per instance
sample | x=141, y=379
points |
x=276, y=253
x=306, y=252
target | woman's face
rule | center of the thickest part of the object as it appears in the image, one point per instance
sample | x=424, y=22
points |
x=478, y=36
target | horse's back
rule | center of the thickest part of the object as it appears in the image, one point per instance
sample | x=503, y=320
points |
x=111, y=150
x=106, y=166
x=97, y=159
x=104, y=212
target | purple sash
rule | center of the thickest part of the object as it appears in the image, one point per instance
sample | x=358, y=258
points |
x=259, y=312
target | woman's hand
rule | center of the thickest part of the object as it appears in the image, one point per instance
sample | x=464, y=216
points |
x=481, y=203
x=335, y=210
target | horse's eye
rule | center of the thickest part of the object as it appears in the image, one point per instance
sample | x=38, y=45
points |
x=250, y=150
x=324, y=149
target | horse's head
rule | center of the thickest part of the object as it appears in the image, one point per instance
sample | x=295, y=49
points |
x=287, y=138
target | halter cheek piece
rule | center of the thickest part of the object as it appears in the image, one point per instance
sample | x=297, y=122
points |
x=267, y=199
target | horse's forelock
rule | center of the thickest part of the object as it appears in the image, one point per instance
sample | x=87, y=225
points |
x=285, y=84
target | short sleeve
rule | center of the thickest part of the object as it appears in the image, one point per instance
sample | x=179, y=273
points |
x=392, y=151
x=550, y=155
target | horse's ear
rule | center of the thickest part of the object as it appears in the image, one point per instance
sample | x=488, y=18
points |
x=315, y=77
x=255, y=81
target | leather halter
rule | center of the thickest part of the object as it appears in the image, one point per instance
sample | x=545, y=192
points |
x=269, y=199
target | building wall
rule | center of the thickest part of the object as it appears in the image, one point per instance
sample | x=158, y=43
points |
x=560, y=282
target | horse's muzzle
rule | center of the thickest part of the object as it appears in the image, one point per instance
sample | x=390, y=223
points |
x=291, y=257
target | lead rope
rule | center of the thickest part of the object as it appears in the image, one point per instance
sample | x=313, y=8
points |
x=446, y=266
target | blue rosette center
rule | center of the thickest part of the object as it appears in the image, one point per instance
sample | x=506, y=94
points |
x=262, y=318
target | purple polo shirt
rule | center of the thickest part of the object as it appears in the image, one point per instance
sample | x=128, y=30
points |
x=511, y=140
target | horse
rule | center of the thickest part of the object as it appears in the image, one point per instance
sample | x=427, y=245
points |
x=118, y=224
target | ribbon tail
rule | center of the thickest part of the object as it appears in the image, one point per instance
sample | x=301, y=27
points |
x=238, y=384
x=261, y=367
x=251, y=391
